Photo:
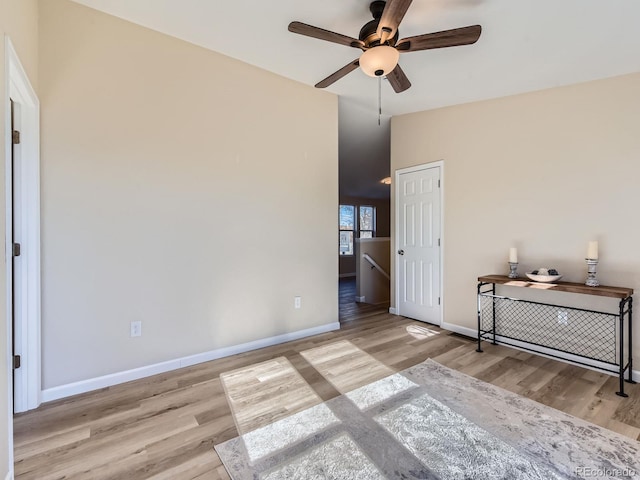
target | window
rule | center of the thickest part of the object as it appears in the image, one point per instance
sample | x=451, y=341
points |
x=367, y=218
x=347, y=228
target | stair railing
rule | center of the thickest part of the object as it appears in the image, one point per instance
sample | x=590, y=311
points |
x=375, y=265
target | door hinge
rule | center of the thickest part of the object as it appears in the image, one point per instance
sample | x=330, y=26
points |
x=16, y=249
x=16, y=361
x=438, y=300
x=16, y=137
x=438, y=183
x=438, y=242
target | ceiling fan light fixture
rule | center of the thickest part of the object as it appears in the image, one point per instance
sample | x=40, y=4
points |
x=379, y=61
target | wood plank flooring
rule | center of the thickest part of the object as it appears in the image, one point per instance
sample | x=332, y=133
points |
x=165, y=427
x=265, y=392
x=352, y=310
x=346, y=366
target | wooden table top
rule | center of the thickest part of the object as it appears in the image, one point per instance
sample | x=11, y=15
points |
x=570, y=287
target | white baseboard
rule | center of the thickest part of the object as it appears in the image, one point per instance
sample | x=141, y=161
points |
x=392, y=310
x=9, y=475
x=364, y=300
x=467, y=332
x=88, y=385
x=545, y=352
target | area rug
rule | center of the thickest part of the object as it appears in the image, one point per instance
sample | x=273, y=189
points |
x=430, y=422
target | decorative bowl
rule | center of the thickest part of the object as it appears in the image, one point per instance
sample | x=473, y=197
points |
x=544, y=278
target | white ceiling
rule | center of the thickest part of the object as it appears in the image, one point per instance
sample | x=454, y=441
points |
x=525, y=45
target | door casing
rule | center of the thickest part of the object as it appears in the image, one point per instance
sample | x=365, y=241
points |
x=28, y=379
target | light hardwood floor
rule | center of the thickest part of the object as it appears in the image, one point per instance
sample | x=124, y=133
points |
x=165, y=427
x=352, y=310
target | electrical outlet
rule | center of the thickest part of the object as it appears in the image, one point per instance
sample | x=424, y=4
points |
x=136, y=329
x=297, y=302
x=563, y=317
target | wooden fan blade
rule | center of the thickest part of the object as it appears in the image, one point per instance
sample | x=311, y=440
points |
x=447, y=38
x=334, y=77
x=392, y=15
x=398, y=79
x=322, y=34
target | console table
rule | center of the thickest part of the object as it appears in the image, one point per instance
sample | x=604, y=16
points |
x=550, y=329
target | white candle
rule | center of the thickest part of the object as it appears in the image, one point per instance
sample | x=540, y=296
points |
x=513, y=255
x=592, y=251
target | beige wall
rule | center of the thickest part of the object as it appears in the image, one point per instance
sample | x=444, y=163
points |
x=544, y=171
x=18, y=21
x=181, y=188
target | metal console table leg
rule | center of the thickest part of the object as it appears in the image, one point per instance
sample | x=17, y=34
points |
x=630, y=317
x=621, y=348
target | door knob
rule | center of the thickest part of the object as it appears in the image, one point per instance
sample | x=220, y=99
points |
x=401, y=252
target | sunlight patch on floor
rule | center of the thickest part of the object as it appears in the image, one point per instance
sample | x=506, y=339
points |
x=419, y=332
x=345, y=365
x=265, y=392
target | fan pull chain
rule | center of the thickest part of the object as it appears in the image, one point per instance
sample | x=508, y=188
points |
x=379, y=99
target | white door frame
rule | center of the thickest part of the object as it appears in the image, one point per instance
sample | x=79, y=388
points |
x=27, y=392
x=416, y=168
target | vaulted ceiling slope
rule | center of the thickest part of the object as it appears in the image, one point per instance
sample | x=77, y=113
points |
x=525, y=45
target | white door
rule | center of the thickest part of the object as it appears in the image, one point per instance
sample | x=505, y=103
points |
x=418, y=243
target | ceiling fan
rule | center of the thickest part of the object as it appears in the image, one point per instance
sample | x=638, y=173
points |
x=378, y=40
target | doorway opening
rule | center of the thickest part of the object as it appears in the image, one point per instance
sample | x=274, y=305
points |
x=364, y=148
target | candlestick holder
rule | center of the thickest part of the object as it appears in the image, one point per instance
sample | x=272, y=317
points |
x=592, y=281
x=513, y=266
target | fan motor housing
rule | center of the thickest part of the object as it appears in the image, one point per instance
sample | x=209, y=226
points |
x=368, y=33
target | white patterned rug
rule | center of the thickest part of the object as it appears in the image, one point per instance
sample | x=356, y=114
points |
x=430, y=422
